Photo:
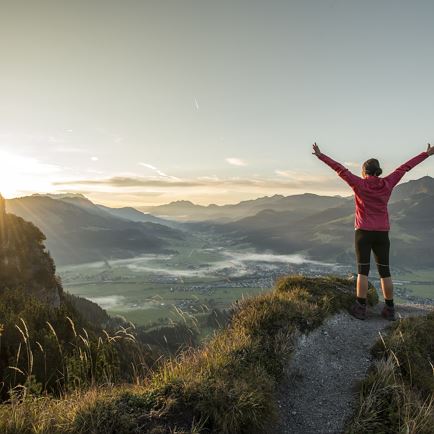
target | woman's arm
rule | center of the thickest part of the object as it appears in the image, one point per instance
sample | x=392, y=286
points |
x=351, y=179
x=397, y=175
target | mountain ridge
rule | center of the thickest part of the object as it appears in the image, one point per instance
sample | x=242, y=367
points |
x=82, y=232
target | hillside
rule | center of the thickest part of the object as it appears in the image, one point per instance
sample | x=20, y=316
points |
x=54, y=342
x=24, y=262
x=125, y=213
x=186, y=211
x=230, y=384
x=79, y=231
x=319, y=226
x=206, y=389
x=411, y=188
x=63, y=373
x=328, y=233
x=132, y=214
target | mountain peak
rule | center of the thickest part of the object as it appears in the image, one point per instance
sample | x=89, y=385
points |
x=413, y=187
x=184, y=203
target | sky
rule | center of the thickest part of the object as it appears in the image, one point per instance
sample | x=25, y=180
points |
x=140, y=103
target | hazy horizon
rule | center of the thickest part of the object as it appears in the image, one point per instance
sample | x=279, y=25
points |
x=166, y=203
x=144, y=103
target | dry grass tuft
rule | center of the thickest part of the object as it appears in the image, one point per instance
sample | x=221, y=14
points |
x=398, y=394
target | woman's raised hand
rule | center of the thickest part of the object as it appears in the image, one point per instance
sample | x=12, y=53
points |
x=317, y=152
x=430, y=150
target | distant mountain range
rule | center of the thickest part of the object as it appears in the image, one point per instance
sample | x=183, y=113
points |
x=327, y=234
x=186, y=211
x=79, y=231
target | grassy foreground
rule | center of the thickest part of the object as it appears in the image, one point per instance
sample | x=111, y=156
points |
x=225, y=386
x=397, y=397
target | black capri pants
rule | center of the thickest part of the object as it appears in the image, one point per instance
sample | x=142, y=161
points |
x=379, y=243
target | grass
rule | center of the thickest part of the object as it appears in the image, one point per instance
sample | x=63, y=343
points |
x=225, y=386
x=398, y=394
x=46, y=350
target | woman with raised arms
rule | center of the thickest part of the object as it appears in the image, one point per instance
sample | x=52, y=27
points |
x=372, y=193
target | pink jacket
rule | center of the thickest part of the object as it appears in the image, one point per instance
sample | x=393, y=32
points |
x=372, y=193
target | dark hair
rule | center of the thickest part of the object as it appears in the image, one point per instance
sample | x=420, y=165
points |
x=372, y=167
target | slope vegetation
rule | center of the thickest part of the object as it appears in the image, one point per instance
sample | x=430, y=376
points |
x=46, y=344
x=397, y=396
x=227, y=385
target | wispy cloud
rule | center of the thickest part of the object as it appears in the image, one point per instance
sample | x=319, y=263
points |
x=236, y=161
x=158, y=171
x=167, y=183
x=196, y=104
x=351, y=164
x=70, y=150
x=120, y=181
x=285, y=173
x=303, y=177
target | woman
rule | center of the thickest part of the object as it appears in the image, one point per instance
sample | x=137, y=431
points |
x=372, y=194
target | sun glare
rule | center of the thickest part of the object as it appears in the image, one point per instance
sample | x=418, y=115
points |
x=20, y=175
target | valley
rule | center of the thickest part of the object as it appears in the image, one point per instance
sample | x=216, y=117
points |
x=156, y=288
x=163, y=288
x=150, y=270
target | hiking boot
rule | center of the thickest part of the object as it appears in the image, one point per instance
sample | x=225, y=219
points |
x=388, y=313
x=358, y=310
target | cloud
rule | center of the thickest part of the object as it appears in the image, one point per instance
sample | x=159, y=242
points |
x=196, y=104
x=149, y=166
x=158, y=171
x=285, y=173
x=69, y=150
x=208, y=178
x=124, y=181
x=112, y=194
x=134, y=190
x=236, y=161
x=168, y=183
x=94, y=158
x=303, y=177
x=351, y=164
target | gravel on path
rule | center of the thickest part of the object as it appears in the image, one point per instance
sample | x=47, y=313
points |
x=320, y=390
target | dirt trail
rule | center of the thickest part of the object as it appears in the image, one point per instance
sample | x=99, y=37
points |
x=319, y=393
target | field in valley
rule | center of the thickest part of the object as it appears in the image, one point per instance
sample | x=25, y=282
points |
x=158, y=288
x=161, y=288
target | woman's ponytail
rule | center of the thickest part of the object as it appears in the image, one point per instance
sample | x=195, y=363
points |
x=372, y=167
